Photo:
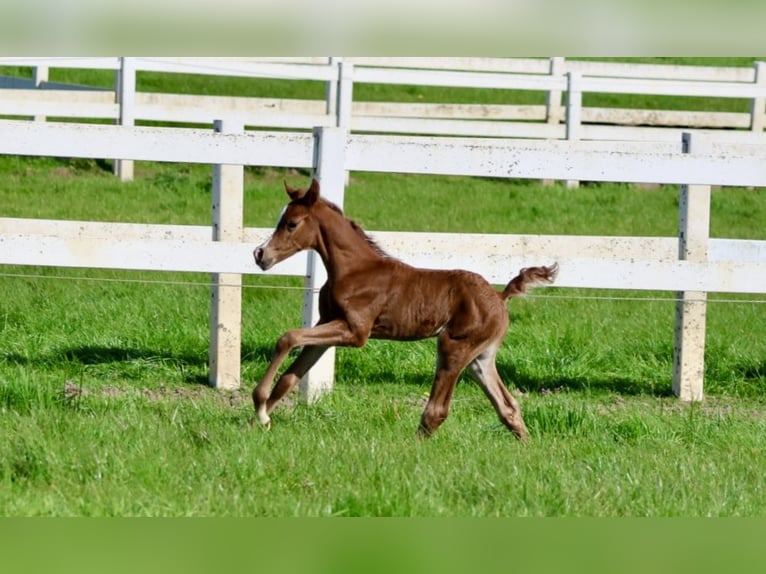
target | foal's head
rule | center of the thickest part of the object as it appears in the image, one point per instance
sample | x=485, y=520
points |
x=296, y=229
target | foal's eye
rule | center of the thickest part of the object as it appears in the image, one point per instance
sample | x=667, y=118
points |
x=291, y=225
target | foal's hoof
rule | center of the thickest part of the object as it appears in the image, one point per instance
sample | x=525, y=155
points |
x=522, y=435
x=423, y=432
x=254, y=422
x=263, y=416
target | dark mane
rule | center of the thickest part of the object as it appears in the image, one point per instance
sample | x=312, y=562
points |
x=358, y=228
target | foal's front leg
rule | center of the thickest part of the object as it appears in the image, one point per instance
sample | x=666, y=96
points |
x=306, y=359
x=315, y=340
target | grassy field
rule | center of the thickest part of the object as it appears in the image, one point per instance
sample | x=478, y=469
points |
x=104, y=411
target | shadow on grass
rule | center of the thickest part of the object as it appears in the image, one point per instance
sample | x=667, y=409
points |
x=511, y=376
x=754, y=371
x=618, y=385
x=193, y=368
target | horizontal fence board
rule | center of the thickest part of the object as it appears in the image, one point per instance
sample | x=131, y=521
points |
x=239, y=68
x=100, y=63
x=651, y=117
x=612, y=262
x=277, y=149
x=154, y=254
x=642, y=263
x=672, y=88
x=61, y=103
x=724, y=141
x=458, y=79
x=506, y=65
x=561, y=160
x=450, y=156
x=458, y=128
x=661, y=71
x=423, y=246
x=385, y=118
x=287, y=59
x=265, y=112
x=718, y=277
x=448, y=111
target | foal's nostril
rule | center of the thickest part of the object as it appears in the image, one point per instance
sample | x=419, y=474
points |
x=258, y=254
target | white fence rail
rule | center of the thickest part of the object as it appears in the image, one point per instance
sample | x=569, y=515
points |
x=550, y=120
x=696, y=265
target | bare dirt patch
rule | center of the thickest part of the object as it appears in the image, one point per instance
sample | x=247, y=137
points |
x=236, y=398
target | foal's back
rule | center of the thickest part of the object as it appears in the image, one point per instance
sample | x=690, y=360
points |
x=418, y=303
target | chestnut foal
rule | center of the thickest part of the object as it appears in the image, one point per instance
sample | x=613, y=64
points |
x=370, y=294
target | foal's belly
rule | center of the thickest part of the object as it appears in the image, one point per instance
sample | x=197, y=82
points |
x=387, y=327
x=412, y=314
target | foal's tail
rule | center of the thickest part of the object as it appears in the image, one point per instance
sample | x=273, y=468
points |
x=529, y=276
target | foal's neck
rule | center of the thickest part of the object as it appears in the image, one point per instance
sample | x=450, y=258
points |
x=343, y=246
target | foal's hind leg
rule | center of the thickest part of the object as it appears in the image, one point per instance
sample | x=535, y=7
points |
x=453, y=356
x=484, y=371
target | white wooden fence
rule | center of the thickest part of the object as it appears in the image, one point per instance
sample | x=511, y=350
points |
x=549, y=120
x=693, y=264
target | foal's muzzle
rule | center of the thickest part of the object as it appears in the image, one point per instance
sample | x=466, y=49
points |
x=258, y=255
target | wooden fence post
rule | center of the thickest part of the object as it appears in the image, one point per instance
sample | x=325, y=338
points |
x=39, y=77
x=574, y=112
x=758, y=105
x=226, y=295
x=344, y=101
x=329, y=162
x=345, y=94
x=331, y=90
x=553, y=107
x=691, y=306
x=125, y=89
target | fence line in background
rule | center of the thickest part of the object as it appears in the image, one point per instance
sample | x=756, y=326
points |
x=555, y=77
x=720, y=265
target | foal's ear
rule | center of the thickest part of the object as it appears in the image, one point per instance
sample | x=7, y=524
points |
x=292, y=192
x=308, y=196
x=312, y=193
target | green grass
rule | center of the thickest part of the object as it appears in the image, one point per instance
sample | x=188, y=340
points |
x=146, y=437
x=193, y=454
x=104, y=411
